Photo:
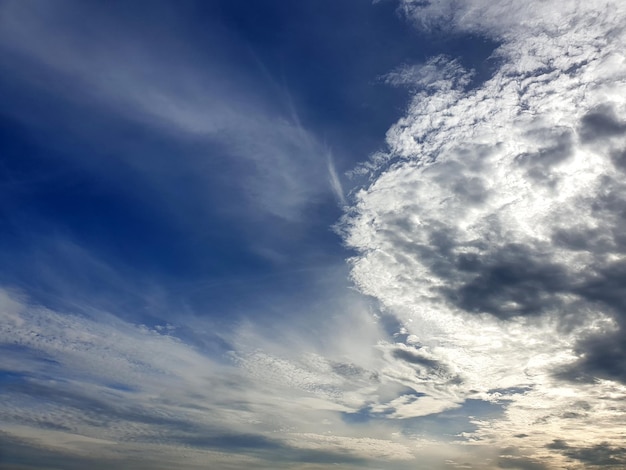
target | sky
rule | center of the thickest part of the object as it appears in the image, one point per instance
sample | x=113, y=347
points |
x=316, y=234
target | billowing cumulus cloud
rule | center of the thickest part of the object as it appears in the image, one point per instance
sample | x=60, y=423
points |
x=493, y=228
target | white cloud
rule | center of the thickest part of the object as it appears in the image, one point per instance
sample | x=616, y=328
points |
x=501, y=212
x=438, y=73
x=106, y=388
x=491, y=237
x=335, y=181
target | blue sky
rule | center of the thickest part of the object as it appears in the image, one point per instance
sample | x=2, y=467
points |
x=316, y=234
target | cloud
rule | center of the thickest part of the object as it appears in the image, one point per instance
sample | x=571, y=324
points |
x=335, y=181
x=602, y=454
x=491, y=229
x=439, y=73
x=101, y=387
x=98, y=387
x=145, y=75
x=489, y=241
x=520, y=463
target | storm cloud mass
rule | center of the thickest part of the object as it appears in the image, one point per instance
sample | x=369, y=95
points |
x=470, y=313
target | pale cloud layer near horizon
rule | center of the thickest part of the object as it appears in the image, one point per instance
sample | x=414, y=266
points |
x=487, y=326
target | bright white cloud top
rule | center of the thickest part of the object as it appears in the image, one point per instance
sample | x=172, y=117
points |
x=489, y=243
x=497, y=236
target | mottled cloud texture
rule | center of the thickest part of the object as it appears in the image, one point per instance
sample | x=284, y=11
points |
x=489, y=243
x=496, y=231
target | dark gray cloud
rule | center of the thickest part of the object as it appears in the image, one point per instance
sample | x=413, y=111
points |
x=413, y=357
x=514, y=280
x=348, y=370
x=600, y=357
x=517, y=280
x=582, y=238
x=604, y=355
x=619, y=159
x=602, y=455
x=559, y=146
x=600, y=123
x=471, y=189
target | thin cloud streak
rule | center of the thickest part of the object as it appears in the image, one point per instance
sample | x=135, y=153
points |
x=335, y=182
x=157, y=83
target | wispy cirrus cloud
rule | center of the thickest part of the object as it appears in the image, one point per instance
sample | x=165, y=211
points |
x=148, y=77
x=98, y=387
x=82, y=386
